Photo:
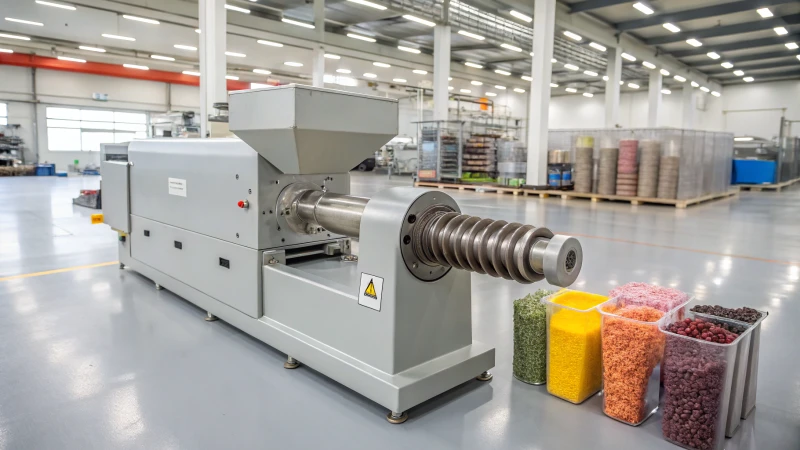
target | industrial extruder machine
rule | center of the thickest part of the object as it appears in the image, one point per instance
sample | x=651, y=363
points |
x=257, y=232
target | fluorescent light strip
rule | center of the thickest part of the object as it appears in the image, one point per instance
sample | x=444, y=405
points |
x=694, y=84
x=6, y=50
x=185, y=47
x=56, y=5
x=680, y=78
x=526, y=78
x=764, y=12
x=332, y=56
x=502, y=72
x=748, y=79
x=644, y=9
x=633, y=85
x=360, y=37
x=370, y=4
x=141, y=19
x=119, y=38
x=381, y=64
x=420, y=72
x=26, y=22
x=572, y=35
x=791, y=45
x=501, y=87
x=649, y=65
x=236, y=55
x=519, y=90
x=231, y=77
x=262, y=71
x=511, y=47
x=471, y=35
x=713, y=55
x=293, y=64
x=465, y=91
x=628, y=57
x=666, y=91
x=521, y=16
x=270, y=43
x=573, y=90
x=780, y=31
x=342, y=71
x=409, y=49
x=418, y=20
x=597, y=46
x=590, y=73
x=399, y=80
x=571, y=67
x=664, y=72
x=191, y=72
x=67, y=58
x=553, y=85
x=92, y=49
x=743, y=139
x=135, y=66
x=727, y=65
x=694, y=42
x=14, y=36
x=738, y=73
x=672, y=28
x=605, y=77
x=473, y=65
x=476, y=83
x=162, y=58
x=588, y=94
x=237, y=9
x=705, y=89
x=491, y=94
x=370, y=75
x=298, y=23
x=716, y=94
x=197, y=30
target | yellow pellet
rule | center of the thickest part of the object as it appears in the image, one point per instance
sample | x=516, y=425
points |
x=574, y=367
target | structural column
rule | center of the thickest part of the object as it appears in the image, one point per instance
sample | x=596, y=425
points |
x=687, y=106
x=544, y=19
x=614, y=73
x=213, y=87
x=318, y=69
x=441, y=71
x=654, y=99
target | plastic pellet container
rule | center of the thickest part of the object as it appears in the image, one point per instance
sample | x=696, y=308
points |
x=530, y=338
x=698, y=377
x=632, y=348
x=749, y=400
x=574, y=365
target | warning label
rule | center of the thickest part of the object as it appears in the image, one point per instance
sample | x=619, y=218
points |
x=370, y=291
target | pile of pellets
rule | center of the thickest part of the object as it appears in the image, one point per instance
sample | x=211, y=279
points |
x=631, y=351
x=694, y=382
x=530, y=338
x=743, y=314
x=661, y=298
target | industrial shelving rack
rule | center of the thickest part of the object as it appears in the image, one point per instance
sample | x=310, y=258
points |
x=440, y=150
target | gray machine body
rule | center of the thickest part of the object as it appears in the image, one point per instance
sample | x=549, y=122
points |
x=176, y=203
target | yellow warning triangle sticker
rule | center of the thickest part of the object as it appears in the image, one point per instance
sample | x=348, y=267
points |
x=370, y=290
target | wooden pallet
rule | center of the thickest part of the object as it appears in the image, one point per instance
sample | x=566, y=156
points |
x=682, y=203
x=471, y=187
x=760, y=187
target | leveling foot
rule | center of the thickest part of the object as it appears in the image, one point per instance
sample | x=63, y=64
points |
x=159, y=287
x=485, y=376
x=210, y=317
x=396, y=417
x=291, y=363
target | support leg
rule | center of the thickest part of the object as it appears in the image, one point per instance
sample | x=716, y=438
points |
x=159, y=287
x=485, y=376
x=396, y=417
x=121, y=266
x=210, y=317
x=291, y=363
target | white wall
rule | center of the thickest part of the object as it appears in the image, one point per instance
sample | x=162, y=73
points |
x=755, y=109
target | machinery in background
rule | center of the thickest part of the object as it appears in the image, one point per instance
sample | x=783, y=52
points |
x=12, y=151
x=257, y=232
x=755, y=161
x=179, y=124
x=399, y=156
x=93, y=198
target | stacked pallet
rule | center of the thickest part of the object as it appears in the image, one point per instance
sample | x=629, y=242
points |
x=648, y=168
x=627, y=167
x=480, y=155
x=668, y=177
x=607, y=171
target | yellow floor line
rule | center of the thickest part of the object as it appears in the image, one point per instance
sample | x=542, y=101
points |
x=50, y=272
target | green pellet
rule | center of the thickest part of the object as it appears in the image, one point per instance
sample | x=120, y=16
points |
x=530, y=338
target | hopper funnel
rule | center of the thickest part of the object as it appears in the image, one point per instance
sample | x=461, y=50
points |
x=306, y=130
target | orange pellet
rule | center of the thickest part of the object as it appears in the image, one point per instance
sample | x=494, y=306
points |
x=631, y=350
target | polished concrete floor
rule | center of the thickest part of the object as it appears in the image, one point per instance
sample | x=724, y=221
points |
x=96, y=358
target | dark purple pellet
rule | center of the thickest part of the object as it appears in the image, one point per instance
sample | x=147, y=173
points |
x=743, y=314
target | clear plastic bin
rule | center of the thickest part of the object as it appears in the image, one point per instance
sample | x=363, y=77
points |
x=749, y=400
x=574, y=365
x=530, y=339
x=632, y=348
x=698, y=376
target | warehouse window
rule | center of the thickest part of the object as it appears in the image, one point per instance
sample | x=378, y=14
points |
x=73, y=129
x=3, y=114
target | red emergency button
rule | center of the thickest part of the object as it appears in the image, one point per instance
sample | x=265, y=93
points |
x=244, y=204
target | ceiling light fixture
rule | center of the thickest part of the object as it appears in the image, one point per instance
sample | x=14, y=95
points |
x=553, y=85
x=471, y=35
x=332, y=56
x=672, y=28
x=26, y=22
x=450, y=88
x=360, y=37
x=92, y=49
x=231, y=77
x=680, y=78
x=780, y=31
x=521, y=16
x=527, y=78
x=644, y=9
x=716, y=94
x=501, y=87
x=342, y=70
x=791, y=45
x=141, y=19
x=605, y=77
x=419, y=72
x=666, y=91
x=597, y=46
x=465, y=91
x=628, y=57
x=162, y=58
x=571, y=67
x=572, y=35
x=409, y=49
x=476, y=83
x=197, y=30
x=519, y=90
x=473, y=65
x=664, y=72
x=237, y=9
x=370, y=4
x=511, y=47
x=56, y=5
x=191, y=48
x=119, y=38
x=418, y=20
x=293, y=64
x=270, y=43
x=298, y=23
x=491, y=94
x=67, y=58
x=764, y=12
x=370, y=75
x=738, y=73
x=748, y=79
x=588, y=94
x=727, y=65
x=191, y=72
x=713, y=55
x=694, y=42
x=694, y=84
x=236, y=55
x=380, y=64
x=135, y=66
x=573, y=90
x=553, y=60
x=399, y=80
x=590, y=73
x=743, y=139
x=633, y=85
x=262, y=71
x=502, y=72
x=705, y=89
x=649, y=65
